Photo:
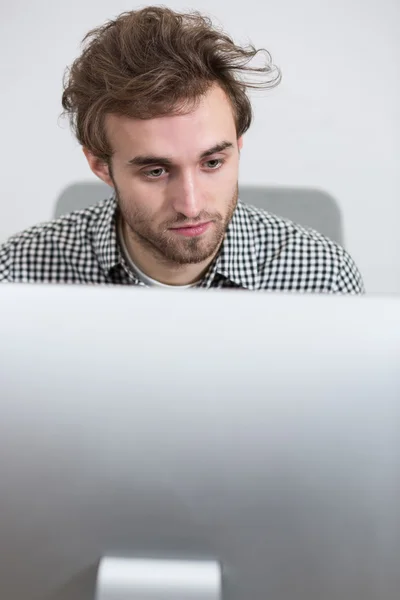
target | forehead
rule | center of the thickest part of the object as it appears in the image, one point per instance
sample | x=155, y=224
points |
x=177, y=135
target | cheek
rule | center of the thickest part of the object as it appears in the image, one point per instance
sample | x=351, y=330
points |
x=142, y=201
x=225, y=186
x=228, y=176
x=220, y=184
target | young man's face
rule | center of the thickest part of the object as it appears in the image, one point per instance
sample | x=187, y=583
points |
x=176, y=178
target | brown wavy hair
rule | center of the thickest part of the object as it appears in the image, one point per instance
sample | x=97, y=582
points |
x=153, y=62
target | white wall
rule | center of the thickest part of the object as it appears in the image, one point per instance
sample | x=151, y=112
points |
x=333, y=124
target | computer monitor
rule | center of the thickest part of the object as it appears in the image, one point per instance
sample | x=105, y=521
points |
x=257, y=432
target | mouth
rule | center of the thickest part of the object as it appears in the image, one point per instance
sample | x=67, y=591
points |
x=192, y=230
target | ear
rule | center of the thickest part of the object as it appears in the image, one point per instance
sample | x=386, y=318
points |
x=98, y=166
x=240, y=142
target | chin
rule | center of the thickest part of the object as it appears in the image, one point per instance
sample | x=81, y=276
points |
x=195, y=258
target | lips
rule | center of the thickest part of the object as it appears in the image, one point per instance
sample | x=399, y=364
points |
x=192, y=230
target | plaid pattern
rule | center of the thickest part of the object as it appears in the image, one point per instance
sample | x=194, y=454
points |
x=260, y=252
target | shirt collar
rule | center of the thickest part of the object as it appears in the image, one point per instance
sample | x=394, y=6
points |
x=105, y=236
x=236, y=261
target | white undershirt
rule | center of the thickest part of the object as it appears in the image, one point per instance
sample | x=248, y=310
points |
x=137, y=272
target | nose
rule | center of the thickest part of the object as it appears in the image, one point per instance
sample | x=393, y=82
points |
x=186, y=195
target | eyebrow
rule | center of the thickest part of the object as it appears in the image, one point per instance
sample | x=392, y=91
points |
x=141, y=161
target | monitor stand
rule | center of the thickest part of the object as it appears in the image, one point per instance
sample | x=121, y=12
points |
x=155, y=579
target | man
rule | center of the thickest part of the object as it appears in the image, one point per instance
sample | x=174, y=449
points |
x=158, y=102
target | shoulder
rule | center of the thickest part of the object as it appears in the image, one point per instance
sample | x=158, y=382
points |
x=45, y=243
x=299, y=257
x=265, y=223
x=78, y=222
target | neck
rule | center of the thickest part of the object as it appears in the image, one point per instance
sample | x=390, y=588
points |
x=157, y=267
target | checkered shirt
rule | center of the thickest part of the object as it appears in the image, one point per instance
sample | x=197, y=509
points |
x=260, y=252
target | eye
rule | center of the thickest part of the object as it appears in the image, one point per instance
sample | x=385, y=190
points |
x=154, y=173
x=215, y=163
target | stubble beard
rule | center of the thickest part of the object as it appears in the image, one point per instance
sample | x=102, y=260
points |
x=172, y=248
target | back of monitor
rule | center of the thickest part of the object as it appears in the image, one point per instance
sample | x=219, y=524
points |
x=260, y=432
